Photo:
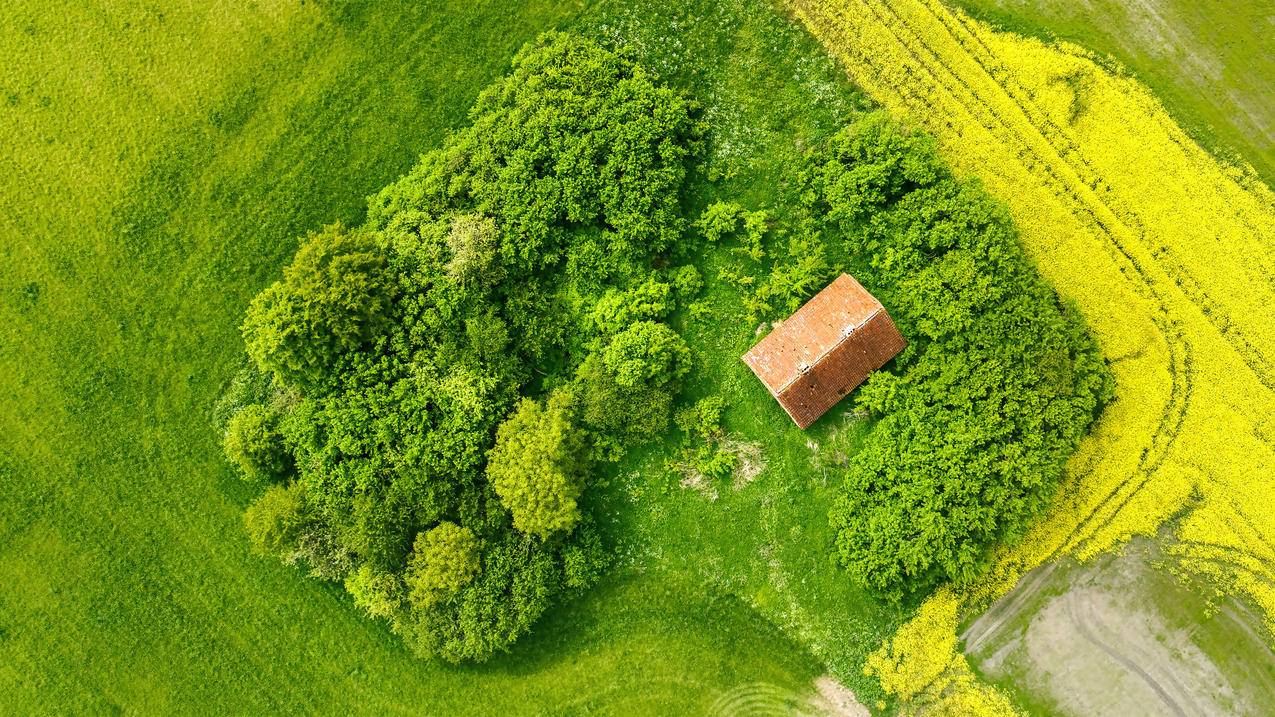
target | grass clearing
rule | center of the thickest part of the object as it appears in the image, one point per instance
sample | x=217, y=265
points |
x=1165, y=251
x=766, y=539
x=161, y=166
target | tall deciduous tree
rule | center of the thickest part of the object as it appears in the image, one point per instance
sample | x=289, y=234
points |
x=537, y=465
x=332, y=298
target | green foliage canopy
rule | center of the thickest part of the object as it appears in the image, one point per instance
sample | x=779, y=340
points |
x=275, y=521
x=253, y=443
x=537, y=465
x=424, y=364
x=997, y=386
x=444, y=560
x=331, y=299
x=646, y=354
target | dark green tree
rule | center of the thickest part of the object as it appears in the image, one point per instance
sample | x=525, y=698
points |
x=997, y=386
x=332, y=298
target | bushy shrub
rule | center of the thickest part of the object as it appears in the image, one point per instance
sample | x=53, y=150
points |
x=253, y=444
x=725, y=219
x=687, y=282
x=799, y=272
x=583, y=559
x=322, y=550
x=627, y=389
x=867, y=165
x=513, y=587
x=382, y=594
x=651, y=300
x=646, y=354
x=444, y=560
x=998, y=384
x=616, y=414
x=537, y=465
x=715, y=464
x=703, y=418
x=250, y=385
x=332, y=298
x=276, y=521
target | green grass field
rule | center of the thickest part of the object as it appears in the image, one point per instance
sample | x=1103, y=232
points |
x=1211, y=64
x=160, y=166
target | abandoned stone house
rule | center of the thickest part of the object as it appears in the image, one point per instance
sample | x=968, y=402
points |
x=824, y=350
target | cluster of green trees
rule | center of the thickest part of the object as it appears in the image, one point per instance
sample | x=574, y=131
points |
x=429, y=393
x=998, y=384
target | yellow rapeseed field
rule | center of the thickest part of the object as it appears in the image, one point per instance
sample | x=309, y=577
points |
x=922, y=667
x=1169, y=254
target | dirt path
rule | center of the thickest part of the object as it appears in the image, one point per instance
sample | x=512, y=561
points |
x=1081, y=623
x=1118, y=636
x=1007, y=608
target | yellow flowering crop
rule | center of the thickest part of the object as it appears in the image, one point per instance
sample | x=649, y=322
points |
x=922, y=667
x=1169, y=254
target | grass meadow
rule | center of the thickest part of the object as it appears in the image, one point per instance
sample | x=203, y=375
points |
x=161, y=165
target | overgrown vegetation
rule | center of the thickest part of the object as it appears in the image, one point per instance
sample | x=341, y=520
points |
x=456, y=364
x=997, y=386
x=170, y=188
x=1075, y=149
x=459, y=364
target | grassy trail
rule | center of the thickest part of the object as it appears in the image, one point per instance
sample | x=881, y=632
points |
x=1167, y=252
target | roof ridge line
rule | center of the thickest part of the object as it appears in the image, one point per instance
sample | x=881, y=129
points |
x=844, y=338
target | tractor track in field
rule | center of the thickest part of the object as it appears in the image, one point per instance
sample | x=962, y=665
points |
x=1149, y=461
x=1257, y=534
x=1006, y=609
x=1085, y=624
x=1066, y=148
x=1235, y=562
x=1174, y=412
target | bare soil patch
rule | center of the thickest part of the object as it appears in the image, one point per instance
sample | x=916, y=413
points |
x=1121, y=636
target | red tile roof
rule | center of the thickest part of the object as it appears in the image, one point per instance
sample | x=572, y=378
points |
x=825, y=349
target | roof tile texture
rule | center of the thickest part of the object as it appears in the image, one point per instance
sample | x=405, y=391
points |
x=826, y=349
